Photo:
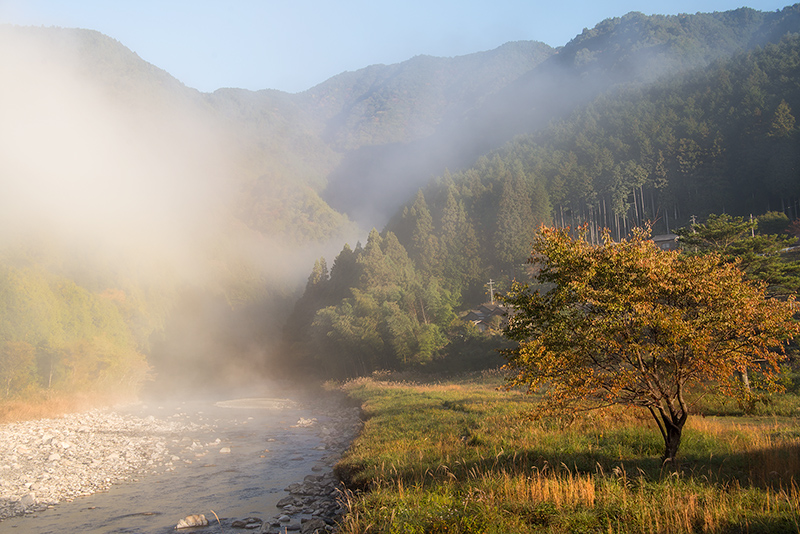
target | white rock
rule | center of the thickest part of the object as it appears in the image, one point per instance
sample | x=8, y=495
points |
x=28, y=500
x=196, y=520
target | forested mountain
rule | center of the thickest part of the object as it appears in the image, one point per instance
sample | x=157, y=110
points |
x=136, y=212
x=718, y=138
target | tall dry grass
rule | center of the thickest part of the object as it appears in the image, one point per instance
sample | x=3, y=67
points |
x=50, y=404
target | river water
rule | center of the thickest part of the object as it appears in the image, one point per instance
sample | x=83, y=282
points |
x=268, y=451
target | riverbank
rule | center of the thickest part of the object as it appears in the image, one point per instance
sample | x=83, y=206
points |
x=317, y=503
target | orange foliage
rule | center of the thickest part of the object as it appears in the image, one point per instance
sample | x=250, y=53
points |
x=627, y=323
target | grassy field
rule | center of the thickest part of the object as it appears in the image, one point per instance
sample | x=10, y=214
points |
x=461, y=456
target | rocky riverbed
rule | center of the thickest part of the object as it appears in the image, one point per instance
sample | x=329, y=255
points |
x=47, y=461
x=50, y=461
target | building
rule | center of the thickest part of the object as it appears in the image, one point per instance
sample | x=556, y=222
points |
x=483, y=317
x=666, y=241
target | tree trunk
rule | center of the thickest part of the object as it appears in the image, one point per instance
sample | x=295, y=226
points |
x=745, y=379
x=672, y=440
x=671, y=429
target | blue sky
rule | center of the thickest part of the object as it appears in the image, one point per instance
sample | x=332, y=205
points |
x=293, y=45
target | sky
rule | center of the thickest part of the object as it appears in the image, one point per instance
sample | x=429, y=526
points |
x=293, y=45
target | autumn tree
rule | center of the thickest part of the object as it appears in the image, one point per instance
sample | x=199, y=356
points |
x=626, y=323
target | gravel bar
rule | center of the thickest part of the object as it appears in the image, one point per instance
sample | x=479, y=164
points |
x=47, y=461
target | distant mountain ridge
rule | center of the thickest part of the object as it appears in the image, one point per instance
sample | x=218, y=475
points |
x=398, y=103
x=634, y=49
x=373, y=136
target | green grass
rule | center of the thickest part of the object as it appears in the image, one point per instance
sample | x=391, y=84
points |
x=463, y=457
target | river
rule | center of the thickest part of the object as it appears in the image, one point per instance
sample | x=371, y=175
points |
x=269, y=450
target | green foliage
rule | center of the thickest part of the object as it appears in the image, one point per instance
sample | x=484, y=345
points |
x=58, y=335
x=758, y=255
x=717, y=234
x=478, y=224
x=783, y=122
x=373, y=312
x=773, y=223
x=276, y=205
x=697, y=143
x=659, y=153
x=396, y=300
x=17, y=367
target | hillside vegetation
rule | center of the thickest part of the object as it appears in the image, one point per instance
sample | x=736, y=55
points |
x=163, y=212
x=710, y=140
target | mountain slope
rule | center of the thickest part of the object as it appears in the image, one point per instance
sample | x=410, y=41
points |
x=708, y=129
x=634, y=49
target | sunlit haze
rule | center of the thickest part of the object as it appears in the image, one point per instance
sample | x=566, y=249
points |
x=292, y=46
x=206, y=211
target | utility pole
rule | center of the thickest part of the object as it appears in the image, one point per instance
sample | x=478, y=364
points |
x=491, y=290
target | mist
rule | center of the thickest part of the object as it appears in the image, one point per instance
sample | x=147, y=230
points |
x=125, y=180
x=79, y=164
x=209, y=209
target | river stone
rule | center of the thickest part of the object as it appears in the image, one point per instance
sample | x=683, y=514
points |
x=195, y=520
x=248, y=523
x=286, y=500
x=314, y=526
x=28, y=500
